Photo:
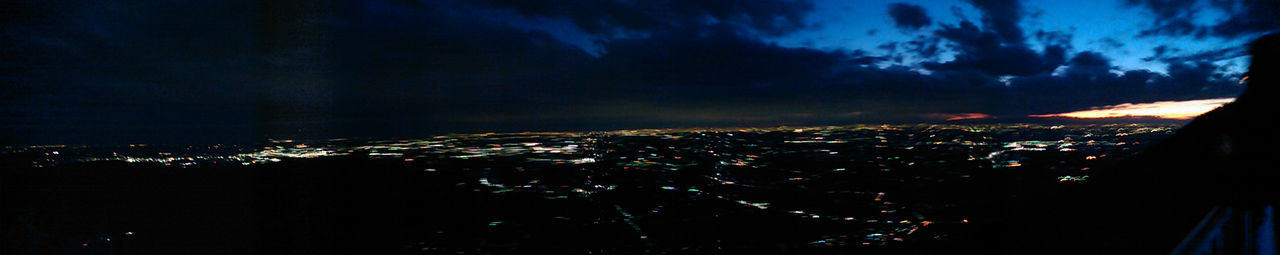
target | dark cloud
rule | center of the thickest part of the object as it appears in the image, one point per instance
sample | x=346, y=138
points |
x=171, y=70
x=957, y=12
x=1167, y=9
x=1160, y=52
x=909, y=16
x=1089, y=59
x=1178, y=26
x=998, y=48
x=1243, y=18
x=482, y=75
x=463, y=73
x=1053, y=37
x=1111, y=43
x=93, y=69
x=487, y=74
x=1002, y=16
x=1163, y=53
x=1191, y=78
x=985, y=51
x=1090, y=80
x=1171, y=18
x=1248, y=17
x=771, y=17
x=928, y=48
x=889, y=46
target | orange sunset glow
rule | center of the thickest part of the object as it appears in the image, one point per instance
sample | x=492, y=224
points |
x=1179, y=110
x=958, y=116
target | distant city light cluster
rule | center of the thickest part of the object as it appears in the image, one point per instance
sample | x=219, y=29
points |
x=752, y=169
x=877, y=168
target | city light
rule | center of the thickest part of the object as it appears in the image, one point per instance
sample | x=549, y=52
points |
x=762, y=170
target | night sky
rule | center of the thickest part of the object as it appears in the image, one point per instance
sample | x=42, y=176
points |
x=228, y=71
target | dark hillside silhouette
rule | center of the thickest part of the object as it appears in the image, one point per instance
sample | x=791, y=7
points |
x=1150, y=203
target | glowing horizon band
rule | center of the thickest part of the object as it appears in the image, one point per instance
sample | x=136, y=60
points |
x=1179, y=110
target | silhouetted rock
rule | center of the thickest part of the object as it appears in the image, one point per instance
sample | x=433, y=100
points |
x=1228, y=154
x=1149, y=203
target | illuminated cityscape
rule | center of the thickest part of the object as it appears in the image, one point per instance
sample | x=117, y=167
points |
x=783, y=189
x=639, y=127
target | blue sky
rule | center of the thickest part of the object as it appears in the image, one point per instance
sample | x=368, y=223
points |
x=123, y=71
x=1095, y=25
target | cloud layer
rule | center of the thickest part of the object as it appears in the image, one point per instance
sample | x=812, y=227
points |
x=406, y=68
x=909, y=16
